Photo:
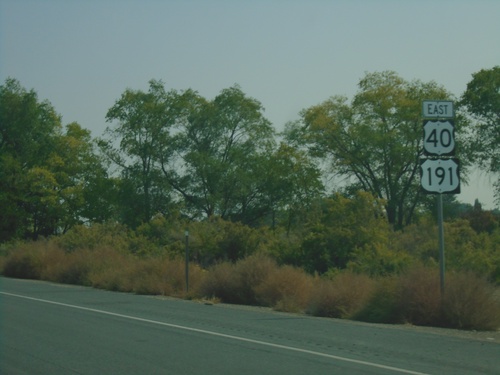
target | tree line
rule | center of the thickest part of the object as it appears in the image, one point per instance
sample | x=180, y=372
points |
x=174, y=153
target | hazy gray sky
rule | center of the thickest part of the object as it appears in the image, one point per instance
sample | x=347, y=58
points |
x=289, y=54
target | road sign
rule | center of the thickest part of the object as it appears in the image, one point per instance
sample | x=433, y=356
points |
x=439, y=137
x=439, y=176
x=437, y=109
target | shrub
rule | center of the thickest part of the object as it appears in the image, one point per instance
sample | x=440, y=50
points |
x=341, y=297
x=24, y=263
x=143, y=276
x=155, y=276
x=470, y=303
x=216, y=240
x=378, y=260
x=235, y=283
x=419, y=241
x=285, y=289
x=341, y=226
x=97, y=236
x=109, y=273
x=251, y=272
x=383, y=305
x=61, y=267
x=173, y=273
x=414, y=297
x=222, y=282
x=420, y=296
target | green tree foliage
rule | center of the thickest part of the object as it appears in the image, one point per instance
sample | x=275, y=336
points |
x=28, y=129
x=83, y=184
x=468, y=250
x=481, y=100
x=481, y=220
x=218, y=147
x=452, y=208
x=375, y=141
x=142, y=121
x=338, y=229
x=292, y=183
x=46, y=171
x=212, y=157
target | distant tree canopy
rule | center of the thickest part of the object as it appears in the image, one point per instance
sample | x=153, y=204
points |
x=168, y=152
x=481, y=100
x=46, y=172
x=375, y=141
x=210, y=158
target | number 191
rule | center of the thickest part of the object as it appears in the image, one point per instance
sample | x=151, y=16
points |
x=440, y=173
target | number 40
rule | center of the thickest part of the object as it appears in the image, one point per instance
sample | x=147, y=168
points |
x=445, y=138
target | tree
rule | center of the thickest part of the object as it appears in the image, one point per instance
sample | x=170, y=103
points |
x=217, y=148
x=291, y=184
x=340, y=229
x=143, y=121
x=481, y=100
x=375, y=141
x=28, y=129
x=44, y=169
x=83, y=183
x=480, y=220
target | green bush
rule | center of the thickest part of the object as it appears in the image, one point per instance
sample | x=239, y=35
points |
x=341, y=226
x=217, y=240
x=378, y=260
x=111, y=257
x=383, y=306
x=94, y=237
x=468, y=250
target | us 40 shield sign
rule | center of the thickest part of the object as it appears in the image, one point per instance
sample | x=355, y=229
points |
x=439, y=137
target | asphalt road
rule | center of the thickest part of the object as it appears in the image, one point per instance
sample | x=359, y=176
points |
x=49, y=328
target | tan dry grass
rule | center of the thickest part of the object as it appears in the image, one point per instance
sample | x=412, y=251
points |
x=420, y=296
x=470, y=302
x=285, y=288
x=341, y=297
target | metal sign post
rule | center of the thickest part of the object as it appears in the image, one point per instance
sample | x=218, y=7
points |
x=439, y=173
x=186, y=233
x=441, y=243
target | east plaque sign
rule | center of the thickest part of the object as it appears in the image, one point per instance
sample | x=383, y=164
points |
x=437, y=109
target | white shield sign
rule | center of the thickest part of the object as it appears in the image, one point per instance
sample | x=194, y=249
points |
x=440, y=176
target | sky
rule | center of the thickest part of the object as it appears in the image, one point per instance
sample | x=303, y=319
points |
x=288, y=54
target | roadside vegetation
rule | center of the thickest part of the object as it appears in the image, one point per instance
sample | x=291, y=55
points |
x=392, y=282
x=268, y=222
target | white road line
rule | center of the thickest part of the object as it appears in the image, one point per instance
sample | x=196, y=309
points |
x=238, y=338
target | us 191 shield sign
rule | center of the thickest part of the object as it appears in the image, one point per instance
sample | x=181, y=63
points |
x=440, y=176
